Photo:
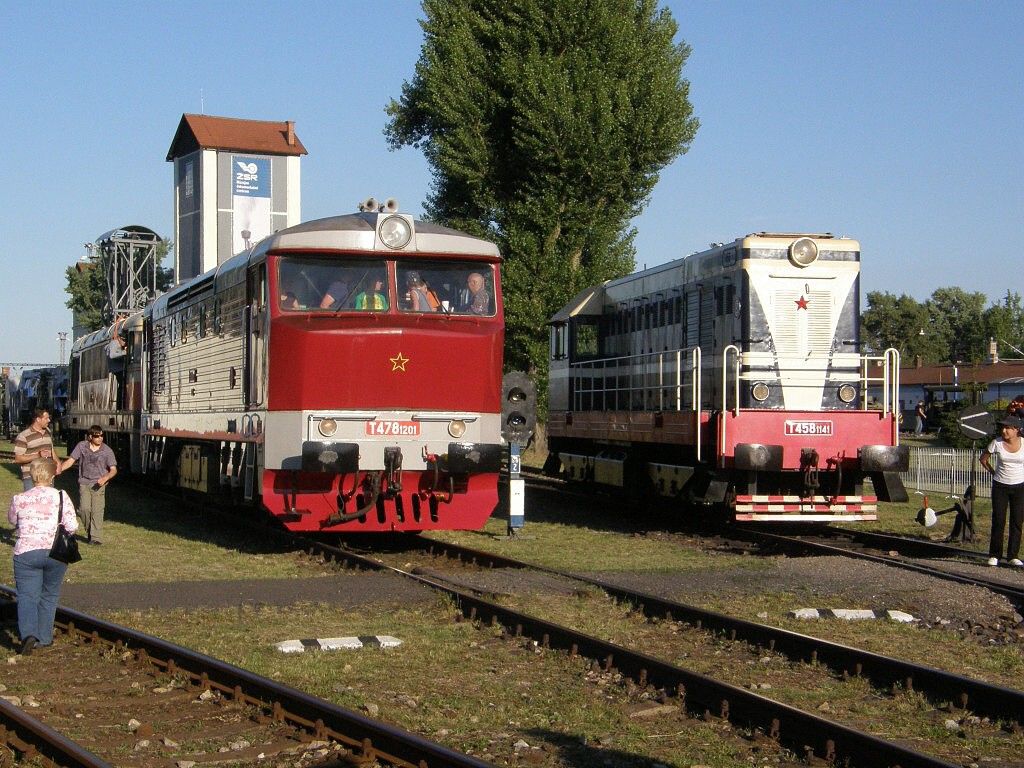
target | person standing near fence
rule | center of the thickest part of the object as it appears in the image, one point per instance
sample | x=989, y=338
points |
x=1007, y=489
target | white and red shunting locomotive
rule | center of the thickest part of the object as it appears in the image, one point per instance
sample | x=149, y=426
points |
x=342, y=375
x=732, y=378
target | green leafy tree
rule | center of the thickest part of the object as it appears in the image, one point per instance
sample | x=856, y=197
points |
x=1004, y=322
x=957, y=316
x=87, y=291
x=87, y=288
x=904, y=324
x=546, y=125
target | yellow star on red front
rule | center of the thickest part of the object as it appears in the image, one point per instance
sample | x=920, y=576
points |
x=801, y=303
x=398, y=362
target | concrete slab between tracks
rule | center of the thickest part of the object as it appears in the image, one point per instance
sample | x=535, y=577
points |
x=850, y=614
x=338, y=643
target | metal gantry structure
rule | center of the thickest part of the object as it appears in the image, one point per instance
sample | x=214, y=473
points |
x=128, y=258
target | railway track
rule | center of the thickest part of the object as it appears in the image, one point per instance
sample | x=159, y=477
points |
x=803, y=733
x=800, y=731
x=940, y=686
x=946, y=562
x=124, y=697
x=950, y=567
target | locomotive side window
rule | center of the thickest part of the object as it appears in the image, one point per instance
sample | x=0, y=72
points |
x=559, y=345
x=584, y=339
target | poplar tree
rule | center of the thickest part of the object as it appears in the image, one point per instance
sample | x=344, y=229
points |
x=546, y=125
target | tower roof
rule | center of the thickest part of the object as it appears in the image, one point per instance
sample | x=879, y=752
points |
x=235, y=135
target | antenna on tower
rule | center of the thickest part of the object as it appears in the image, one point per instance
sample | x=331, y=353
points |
x=202, y=103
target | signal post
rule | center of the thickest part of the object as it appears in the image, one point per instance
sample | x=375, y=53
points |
x=518, y=421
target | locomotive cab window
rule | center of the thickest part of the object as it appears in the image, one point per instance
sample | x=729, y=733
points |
x=317, y=284
x=459, y=288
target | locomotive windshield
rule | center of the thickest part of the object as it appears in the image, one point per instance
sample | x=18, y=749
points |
x=316, y=284
x=452, y=287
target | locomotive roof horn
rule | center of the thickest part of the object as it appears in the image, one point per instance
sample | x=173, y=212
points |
x=370, y=205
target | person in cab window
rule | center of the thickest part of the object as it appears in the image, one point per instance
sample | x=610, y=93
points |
x=289, y=297
x=335, y=295
x=475, y=298
x=375, y=299
x=418, y=296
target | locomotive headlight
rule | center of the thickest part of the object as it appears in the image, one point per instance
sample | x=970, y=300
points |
x=395, y=232
x=847, y=393
x=803, y=252
x=457, y=428
x=327, y=427
x=760, y=391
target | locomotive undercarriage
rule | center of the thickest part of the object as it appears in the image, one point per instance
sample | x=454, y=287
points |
x=832, y=492
x=379, y=501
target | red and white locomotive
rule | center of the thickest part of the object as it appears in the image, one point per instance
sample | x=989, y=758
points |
x=733, y=377
x=339, y=375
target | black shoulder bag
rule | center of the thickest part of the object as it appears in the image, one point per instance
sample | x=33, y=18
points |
x=65, y=545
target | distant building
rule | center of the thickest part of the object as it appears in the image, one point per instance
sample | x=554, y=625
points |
x=949, y=385
x=235, y=182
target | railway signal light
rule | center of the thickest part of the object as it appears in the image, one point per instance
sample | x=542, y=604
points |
x=518, y=408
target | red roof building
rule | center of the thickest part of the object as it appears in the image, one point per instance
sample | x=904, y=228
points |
x=998, y=380
x=235, y=182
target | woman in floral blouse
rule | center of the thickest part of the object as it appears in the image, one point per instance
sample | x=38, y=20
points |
x=34, y=515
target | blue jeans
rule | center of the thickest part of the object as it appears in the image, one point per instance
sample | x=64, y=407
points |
x=27, y=483
x=38, y=578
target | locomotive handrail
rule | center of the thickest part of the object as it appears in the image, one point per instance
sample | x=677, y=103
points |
x=650, y=367
x=725, y=390
x=892, y=359
x=695, y=393
x=889, y=380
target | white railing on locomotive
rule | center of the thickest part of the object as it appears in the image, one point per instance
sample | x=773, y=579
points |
x=806, y=370
x=889, y=380
x=667, y=381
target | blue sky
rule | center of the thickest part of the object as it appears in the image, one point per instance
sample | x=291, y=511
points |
x=897, y=123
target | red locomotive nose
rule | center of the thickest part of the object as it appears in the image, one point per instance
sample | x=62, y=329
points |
x=366, y=368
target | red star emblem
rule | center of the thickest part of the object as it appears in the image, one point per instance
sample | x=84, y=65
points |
x=398, y=362
x=801, y=303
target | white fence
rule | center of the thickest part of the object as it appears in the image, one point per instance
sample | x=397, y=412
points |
x=946, y=470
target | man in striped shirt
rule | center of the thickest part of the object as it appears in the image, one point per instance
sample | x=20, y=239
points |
x=34, y=443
